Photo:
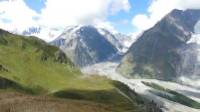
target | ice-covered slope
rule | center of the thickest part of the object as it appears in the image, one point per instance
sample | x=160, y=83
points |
x=120, y=41
x=108, y=69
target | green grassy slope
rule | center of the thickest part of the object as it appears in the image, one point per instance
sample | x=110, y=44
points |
x=28, y=64
x=92, y=94
x=33, y=63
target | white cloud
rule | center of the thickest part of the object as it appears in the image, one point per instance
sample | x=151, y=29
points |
x=141, y=21
x=16, y=15
x=191, y=4
x=62, y=13
x=106, y=25
x=48, y=34
x=158, y=9
x=120, y=5
x=70, y=12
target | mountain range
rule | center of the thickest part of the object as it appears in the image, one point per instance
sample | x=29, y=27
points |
x=86, y=45
x=169, y=51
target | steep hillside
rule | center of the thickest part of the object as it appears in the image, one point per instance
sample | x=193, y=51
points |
x=30, y=66
x=163, y=52
x=89, y=95
x=29, y=61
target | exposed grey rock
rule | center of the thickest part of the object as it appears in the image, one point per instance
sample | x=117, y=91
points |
x=85, y=45
x=163, y=51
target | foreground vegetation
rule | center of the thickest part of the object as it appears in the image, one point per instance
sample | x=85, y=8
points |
x=89, y=94
x=37, y=77
x=33, y=64
x=173, y=95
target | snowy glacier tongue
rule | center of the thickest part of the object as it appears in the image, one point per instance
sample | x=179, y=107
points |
x=108, y=69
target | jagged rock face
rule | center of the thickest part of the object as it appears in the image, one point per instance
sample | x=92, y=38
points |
x=163, y=52
x=118, y=40
x=85, y=45
x=189, y=67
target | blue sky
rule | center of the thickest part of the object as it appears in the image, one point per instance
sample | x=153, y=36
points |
x=36, y=5
x=137, y=7
x=121, y=21
x=52, y=16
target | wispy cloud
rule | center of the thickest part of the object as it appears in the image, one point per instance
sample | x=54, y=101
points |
x=158, y=9
x=14, y=14
x=59, y=13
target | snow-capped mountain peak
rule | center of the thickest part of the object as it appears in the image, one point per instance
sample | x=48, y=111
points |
x=120, y=41
x=85, y=45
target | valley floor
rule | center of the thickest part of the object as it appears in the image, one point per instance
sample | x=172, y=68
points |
x=108, y=69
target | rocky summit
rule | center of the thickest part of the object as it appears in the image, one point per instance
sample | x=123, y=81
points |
x=167, y=51
x=85, y=45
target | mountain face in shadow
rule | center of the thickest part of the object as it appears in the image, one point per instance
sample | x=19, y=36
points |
x=84, y=45
x=165, y=51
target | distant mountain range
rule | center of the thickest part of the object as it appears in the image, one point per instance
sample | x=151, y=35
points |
x=170, y=50
x=167, y=51
x=86, y=45
x=32, y=31
x=46, y=34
